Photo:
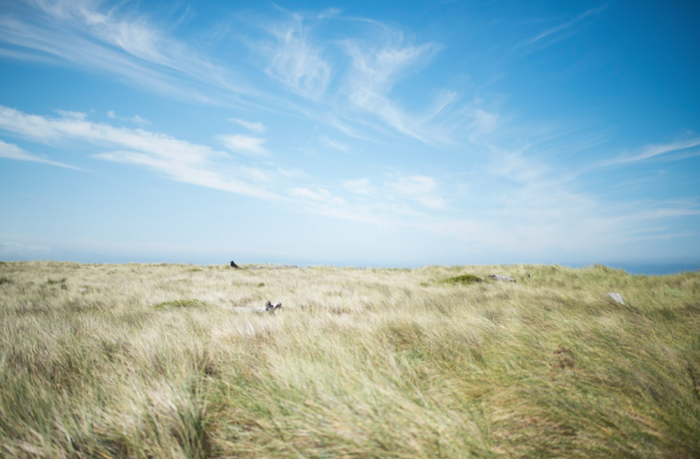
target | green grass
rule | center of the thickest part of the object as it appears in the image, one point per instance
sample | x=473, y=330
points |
x=56, y=281
x=153, y=361
x=463, y=279
x=180, y=304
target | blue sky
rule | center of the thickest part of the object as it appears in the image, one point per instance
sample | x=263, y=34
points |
x=359, y=133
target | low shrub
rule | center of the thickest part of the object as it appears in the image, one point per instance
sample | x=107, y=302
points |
x=180, y=304
x=464, y=279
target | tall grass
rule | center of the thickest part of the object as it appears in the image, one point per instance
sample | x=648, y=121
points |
x=153, y=361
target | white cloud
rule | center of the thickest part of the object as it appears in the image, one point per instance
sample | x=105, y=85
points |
x=134, y=119
x=559, y=28
x=201, y=175
x=48, y=129
x=83, y=33
x=415, y=185
x=12, y=151
x=652, y=151
x=25, y=56
x=334, y=144
x=256, y=127
x=295, y=62
x=139, y=120
x=177, y=159
x=374, y=72
x=483, y=123
x=320, y=195
x=418, y=188
x=359, y=186
x=108, y=39
x=244, y=144
x=293, y=173
x=525, y=214
x=72, y=115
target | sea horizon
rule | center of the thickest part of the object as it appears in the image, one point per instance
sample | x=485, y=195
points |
x=649, y=269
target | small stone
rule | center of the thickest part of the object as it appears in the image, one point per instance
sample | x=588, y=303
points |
x=502, y=278
x=616, y=297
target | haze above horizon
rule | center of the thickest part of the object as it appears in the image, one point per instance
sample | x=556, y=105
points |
x=358, y=133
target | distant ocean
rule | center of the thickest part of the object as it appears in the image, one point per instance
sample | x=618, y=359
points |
x=649, y=269
x=654, y=269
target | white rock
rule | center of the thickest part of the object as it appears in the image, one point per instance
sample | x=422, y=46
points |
x=616, y=297
x=269, y=307
x=503, y=278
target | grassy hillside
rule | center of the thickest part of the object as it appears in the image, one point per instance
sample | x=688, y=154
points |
x=153, y=361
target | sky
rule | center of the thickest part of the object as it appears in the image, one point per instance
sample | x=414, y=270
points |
x=360, y=133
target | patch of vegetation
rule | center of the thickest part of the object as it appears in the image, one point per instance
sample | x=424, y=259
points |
x=181, y=304
x=544, y=368
x=195, y=270
x=608, y=270
x=261, y=284
x=464, y=279
x=5, y=280
x=56, y=281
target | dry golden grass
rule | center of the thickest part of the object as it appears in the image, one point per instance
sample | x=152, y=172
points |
x=152, y=361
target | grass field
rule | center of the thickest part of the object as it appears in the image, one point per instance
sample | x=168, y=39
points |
x=153, y=361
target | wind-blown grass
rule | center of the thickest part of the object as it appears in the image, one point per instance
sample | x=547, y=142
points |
x=154, y=361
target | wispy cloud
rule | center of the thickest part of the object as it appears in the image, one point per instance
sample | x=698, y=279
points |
x=82, y=33
x=201, y=165
x=293, y=173
x=134, y=119
x=334, y=144
x=359, y=186
x=373, y=74
x=482, y=123
x=320, y=195
x=652, y=151
x=526, y=211
x=201, y=175
x=244, y=144
x=562, y=27
x=25, y=56
x=256, y=127
x=177, y=159
x=418, y=188
x=72, y=115
x=349, y=91
x=295, y=61
x=12, y=151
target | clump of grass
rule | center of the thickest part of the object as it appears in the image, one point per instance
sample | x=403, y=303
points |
x=464, y=279
x=5, y=280
x=56, y=281
x=195, y=270
x=180, y=304
x=261, y=284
